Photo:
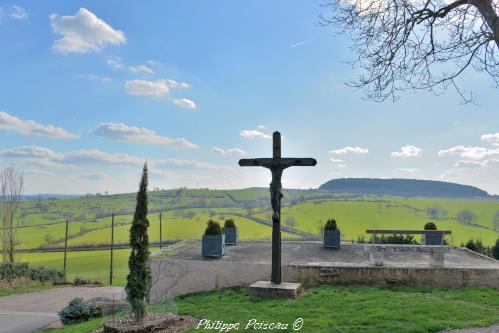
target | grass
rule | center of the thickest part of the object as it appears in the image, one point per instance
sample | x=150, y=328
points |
x=25, y=289
x=343, y=309
x=93, y=265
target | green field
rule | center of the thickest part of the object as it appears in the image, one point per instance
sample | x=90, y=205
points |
x=93, y=265
x=186, y=211
x=340, y=309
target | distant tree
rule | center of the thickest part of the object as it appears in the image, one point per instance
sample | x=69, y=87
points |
x=139, y=278
x=249, y=210
x=495, y=222
x=290, y=222
x=466, y=216
x=11, y=190
x=436, y=212
x=48, y=238
x=418, y=45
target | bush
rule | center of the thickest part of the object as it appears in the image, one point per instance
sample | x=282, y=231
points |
x=331, y=225
x=78, y=281
x=229, y=223
x=77, y=311
x=11, y=271
x=430, y=226
x=396, y=239
x=213, y=228
x=495, y=250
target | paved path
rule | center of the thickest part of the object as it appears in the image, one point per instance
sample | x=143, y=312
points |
x=491, y=329
x=28, y=312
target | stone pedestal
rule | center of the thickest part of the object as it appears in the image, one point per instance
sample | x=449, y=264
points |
x=267, y=289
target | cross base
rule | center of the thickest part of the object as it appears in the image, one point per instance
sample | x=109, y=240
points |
x=267, y=289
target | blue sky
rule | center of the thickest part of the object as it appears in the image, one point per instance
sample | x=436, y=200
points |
x=89, y=90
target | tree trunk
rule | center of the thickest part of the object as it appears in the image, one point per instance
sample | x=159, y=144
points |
x=489, y=15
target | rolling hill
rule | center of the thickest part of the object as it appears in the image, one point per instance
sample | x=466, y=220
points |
x=404, y=188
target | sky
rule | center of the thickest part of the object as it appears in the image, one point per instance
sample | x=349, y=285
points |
x=90, y=90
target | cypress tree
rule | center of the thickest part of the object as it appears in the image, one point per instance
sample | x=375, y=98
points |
x=139, y=278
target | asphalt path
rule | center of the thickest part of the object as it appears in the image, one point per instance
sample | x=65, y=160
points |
x=26, y=313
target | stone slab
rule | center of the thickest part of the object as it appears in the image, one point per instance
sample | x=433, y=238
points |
x=267, y=289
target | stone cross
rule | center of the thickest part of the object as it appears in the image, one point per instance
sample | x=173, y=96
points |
x=277, y=164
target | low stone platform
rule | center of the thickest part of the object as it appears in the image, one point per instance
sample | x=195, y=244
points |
x=267, y=289
x=180, y=269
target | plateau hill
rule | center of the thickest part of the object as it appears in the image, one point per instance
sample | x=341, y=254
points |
x=404, y=188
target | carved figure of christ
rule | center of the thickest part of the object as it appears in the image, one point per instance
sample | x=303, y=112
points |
x=276, y=165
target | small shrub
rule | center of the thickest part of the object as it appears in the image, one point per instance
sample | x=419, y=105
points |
x=213, y=228
x=331, y=225
x=495, y=250
x=11, y=271
x=471, y=245
x=396, y=239
x=78, y=281
x=77, y=311
x=229, y=223
x=430, y=226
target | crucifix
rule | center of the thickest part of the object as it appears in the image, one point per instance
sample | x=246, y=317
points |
x=276, y=164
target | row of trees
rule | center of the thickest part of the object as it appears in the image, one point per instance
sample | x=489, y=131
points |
x=465, y=216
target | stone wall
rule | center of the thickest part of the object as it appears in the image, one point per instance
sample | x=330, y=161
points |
x=173, y=277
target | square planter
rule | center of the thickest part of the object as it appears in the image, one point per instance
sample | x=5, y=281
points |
x=213, y=246
x=434, y=239
x=231, y=236
x=332, y=239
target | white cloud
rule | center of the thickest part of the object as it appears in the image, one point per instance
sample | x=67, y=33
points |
x=94, y=156
x=492, y=138
x=84, y=32
x=185, y=103
x=122, y=132
x=469, y=152
x=299, y=43
x=95, y=177
x=31, y=152
x=232, y=151
x=261, y=127
x=349, y=150
x=466, y=164
x=252, y=134
x=141, y=69
x=93, y=77
x=17, y=13
x=177, y=85
x=338, y=163
x=158, y=88
x=193, y=164
x=115, y=62
x=407, y=151
x=410, y=171
x=29, y=127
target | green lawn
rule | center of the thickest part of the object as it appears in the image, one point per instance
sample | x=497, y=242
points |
x=92, y=265
x=343, y=309
x=23, y=290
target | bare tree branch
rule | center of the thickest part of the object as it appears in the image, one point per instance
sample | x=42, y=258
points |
x=414, y=45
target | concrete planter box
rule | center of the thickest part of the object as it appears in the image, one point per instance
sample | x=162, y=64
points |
x=213, y=246
x=231, y=236
x=435, y=239
x=332, y=239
